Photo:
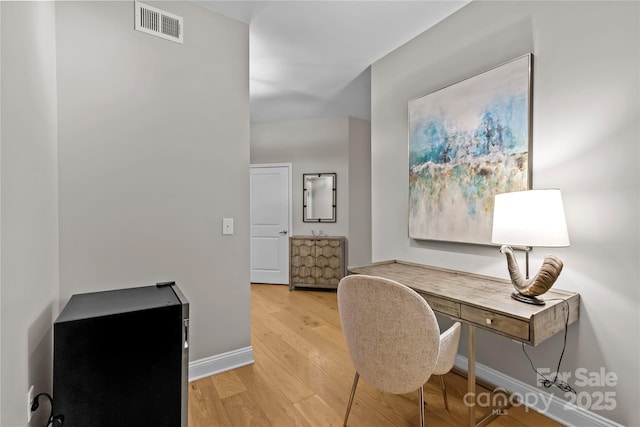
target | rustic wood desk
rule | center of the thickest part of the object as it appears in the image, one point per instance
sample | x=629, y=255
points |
x=481, y=302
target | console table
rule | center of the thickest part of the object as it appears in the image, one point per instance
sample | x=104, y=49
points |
x=317, y=261
x=481, y=302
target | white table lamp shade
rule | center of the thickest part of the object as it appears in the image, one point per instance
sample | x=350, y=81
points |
x=530, y=218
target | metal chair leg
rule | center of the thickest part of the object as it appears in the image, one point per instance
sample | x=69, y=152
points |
x=353, y=392
x=444, y=393
x=421, y=405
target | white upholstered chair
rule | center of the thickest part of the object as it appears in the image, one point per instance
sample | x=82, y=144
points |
x=392, y=336
x=449, y=341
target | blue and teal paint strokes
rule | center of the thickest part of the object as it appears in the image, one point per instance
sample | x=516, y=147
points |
x=468, y=142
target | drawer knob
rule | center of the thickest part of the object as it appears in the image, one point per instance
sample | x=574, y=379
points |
x=488, y=321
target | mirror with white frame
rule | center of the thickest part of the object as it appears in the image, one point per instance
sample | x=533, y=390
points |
x=319, y=197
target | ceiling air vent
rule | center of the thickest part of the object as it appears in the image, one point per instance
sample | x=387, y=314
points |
x=159, y=23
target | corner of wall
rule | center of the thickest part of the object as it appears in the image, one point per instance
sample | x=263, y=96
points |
x=28, y=204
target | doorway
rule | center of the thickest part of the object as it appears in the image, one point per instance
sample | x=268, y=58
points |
x=270, y=222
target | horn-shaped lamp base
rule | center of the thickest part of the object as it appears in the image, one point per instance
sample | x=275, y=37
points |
x=525, y=298
x=527, y=290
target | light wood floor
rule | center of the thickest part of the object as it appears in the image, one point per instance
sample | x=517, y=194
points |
x=302, y=376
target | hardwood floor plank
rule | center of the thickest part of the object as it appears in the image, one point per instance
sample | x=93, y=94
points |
x=302, y=376
x=244, y=411
x=271, y=400
x=276, y=368
x=318, y=413
x=228, y=384
x=205, y=405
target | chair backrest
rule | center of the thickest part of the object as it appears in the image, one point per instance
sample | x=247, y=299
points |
x=391, y=333
x=449, y=341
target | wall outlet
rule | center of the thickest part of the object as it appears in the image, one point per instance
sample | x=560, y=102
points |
x=29, y=402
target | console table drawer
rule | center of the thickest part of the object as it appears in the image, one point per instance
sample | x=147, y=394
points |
x=443, y=306
x=504, y=325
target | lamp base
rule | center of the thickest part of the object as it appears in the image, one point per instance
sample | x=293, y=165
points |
x=527, y=299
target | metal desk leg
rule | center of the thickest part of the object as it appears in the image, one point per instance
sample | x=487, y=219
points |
x=471, y=400
x=471, y=373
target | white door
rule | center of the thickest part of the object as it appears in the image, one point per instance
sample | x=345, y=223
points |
x=270, y=219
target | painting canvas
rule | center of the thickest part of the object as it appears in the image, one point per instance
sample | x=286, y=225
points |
x=467, y=143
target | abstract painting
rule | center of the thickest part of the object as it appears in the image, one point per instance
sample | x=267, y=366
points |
x=468, y=142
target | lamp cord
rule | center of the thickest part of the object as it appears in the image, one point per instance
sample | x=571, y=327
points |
x=548, y=382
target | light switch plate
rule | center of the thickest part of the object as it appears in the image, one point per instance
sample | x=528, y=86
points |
x=227, y=225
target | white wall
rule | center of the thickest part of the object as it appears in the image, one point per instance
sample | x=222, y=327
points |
x=153, y=153
x=0, y=211
x=312, y=146
x=318, y=146
x=585, y=142
x=359, y=192
x=29, y=205
x=124, y=144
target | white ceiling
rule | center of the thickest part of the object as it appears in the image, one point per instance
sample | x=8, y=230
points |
x=310, y=59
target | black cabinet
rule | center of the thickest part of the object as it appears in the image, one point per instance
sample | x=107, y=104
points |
x=121, y=358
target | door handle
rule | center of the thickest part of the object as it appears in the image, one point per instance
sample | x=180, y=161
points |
x=283, y=232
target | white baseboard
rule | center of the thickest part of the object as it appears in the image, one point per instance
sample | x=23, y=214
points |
x=542, y=401
x=220, y=363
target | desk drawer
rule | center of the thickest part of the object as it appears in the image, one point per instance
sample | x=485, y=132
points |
x=443, y=306
x=504, y=325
